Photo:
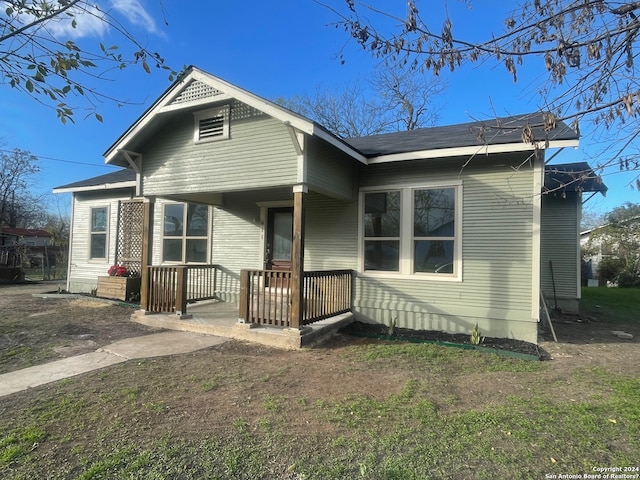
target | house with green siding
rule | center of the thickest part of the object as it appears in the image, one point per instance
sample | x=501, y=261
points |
x=224, y=195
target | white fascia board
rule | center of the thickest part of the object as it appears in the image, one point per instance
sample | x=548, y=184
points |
x=163, y=106
x=469, y=151
x=138, y=126
x=103, y=186
x=254, y=101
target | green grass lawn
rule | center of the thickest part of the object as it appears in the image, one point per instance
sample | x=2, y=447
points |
x=247, y=412
x=616, y=305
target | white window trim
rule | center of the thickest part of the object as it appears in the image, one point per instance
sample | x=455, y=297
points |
x=184, y=236
x=104, y=259
x=406, y=233
x=224, y=110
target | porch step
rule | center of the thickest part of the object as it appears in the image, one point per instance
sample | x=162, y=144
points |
x=287, y=338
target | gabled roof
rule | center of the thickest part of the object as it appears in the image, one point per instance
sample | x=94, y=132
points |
x=572, y=177
x=119, y=179
x=480, y=137
x=197, y=89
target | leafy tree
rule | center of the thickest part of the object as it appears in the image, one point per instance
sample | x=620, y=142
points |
x=619, y=242
x=625, y=212
x=39, y=56
x=393, y=99
x=588, y=48
x=17, y=206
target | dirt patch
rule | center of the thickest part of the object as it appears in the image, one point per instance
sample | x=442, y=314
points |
x=35, y=330
x=239, y=386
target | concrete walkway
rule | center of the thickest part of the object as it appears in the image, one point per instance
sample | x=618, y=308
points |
x=145, y=346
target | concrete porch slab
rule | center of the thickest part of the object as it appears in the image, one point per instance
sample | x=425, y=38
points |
x=221, y=319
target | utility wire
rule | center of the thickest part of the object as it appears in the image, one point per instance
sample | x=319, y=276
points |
x=42, y=157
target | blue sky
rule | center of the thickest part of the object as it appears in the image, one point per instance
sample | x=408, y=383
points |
x=277, y=48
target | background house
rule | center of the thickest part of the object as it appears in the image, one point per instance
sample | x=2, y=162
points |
x=618, y=245
x=30, y=237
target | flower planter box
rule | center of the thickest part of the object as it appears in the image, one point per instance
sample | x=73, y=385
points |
x=119, y=288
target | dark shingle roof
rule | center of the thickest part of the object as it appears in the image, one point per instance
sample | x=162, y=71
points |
x=490, y=132
x=572, y=177
x=119, y=176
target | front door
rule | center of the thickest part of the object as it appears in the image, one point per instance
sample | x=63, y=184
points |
x=279, y=238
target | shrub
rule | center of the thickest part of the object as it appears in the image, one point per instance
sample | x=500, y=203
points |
x=628, y=279
x=609, y=269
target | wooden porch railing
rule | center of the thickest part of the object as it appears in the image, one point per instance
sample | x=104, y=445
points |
x=326, y=293
x=171, y=287
x=265, y=296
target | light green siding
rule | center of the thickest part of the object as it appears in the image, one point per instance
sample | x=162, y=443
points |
x=258, y=154
x=329, y=170
x=331, y=234
x=84, y=272
x=560, y=244
x=497, y=233
x=237, y=244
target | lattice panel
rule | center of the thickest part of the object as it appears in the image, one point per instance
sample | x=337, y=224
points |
x=130, y=236
x=196, y=91
x=241, y=111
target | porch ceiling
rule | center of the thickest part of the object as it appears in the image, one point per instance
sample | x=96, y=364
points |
x=234, y=197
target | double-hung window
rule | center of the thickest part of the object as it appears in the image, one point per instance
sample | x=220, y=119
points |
x=185, y=233
x=98, y=233
x=382, y=231
x=413, y=231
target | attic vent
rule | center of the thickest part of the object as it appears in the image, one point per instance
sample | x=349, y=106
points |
x=212, y=124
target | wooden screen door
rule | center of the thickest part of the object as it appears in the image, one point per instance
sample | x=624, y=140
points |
x=279, y=239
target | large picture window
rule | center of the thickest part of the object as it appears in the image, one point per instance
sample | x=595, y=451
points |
x=412, y=231
x=185, y=233
x=98, y=233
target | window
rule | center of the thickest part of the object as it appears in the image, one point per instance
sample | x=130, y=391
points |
x=98, y=234
x=382, y=231
x=434, y=216
x=185, y=233
x=413, y=231
x=211, y=125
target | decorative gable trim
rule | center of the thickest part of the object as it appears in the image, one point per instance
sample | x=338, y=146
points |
x=196, y=90
x=193, y=89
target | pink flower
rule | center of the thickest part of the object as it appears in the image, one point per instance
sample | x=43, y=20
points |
x=118, y=271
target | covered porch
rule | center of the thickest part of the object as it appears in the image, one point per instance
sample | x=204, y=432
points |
x=254, y=278
x=183, y=297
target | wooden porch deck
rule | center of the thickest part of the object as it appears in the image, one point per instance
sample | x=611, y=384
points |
x=221, y=319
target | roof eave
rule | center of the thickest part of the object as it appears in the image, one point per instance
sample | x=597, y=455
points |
x=162, y=107
x=90, y=188
x=470, y=150
x=336, y=142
